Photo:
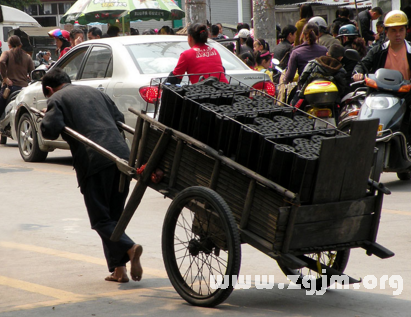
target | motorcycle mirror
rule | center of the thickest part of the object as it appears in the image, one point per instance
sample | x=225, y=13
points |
x=352, y=55
x=37, y=74
x=275, y=61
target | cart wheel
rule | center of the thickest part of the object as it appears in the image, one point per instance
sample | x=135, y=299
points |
x=336, y=259
x=200, y=239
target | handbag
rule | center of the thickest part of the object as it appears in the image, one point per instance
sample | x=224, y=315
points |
x=6, y=93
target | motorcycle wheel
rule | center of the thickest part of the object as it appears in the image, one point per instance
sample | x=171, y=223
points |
x=3, y=139
x=404, y=176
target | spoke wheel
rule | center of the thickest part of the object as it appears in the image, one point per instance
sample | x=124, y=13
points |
x=200, y=239
x=335, y=259
x=27, y=139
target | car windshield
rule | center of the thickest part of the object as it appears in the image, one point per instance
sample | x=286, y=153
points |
x=162, y=57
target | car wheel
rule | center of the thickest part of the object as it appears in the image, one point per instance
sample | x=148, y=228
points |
x=3, y=139
x=27, y=140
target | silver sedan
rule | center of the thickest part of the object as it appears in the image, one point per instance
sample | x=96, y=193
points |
x=122, y=67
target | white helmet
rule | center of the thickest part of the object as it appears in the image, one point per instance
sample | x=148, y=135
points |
x=319, y=21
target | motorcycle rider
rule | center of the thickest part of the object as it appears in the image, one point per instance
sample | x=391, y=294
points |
x=393, y=54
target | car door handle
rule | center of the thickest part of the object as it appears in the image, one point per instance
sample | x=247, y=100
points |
x=101, y=88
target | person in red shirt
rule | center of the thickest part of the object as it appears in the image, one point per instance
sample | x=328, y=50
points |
x=62, y=38
x=200, y=59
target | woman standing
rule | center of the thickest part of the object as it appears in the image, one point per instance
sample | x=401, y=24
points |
x=306, y=13
x=15, y=65
x=305, y=52
x=62, y=38
x=200, y=59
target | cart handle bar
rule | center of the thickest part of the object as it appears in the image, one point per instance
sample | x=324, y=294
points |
x=122, y=164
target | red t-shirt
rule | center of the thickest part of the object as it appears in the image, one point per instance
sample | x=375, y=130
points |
x=200, y=59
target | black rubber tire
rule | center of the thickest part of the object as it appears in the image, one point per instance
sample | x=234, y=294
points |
x=27, y=140
x=187, y=247
x=404, y=176
x=336, y=259
x=3, y=139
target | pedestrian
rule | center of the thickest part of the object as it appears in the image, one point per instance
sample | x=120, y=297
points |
x=134, y=31
x=246, y=41
x=200, y=59
x=112, y=31
x=166, y=30
x=263, y=62
x=44, y=57
x=15, y=65
x=380, y=36
x=62, y=38
x=94, y=33
x=343, y=17
x=76, y=37
x=215, y=33
x=365, y=18
x=94, y=115
x=282, y=51
x=305, y=52
x=220, y=27
x=248, y=59
x=306, y=13
x=260, y=45
x=325, y=38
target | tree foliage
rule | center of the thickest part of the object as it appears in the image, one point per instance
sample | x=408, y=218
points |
x=19, y=4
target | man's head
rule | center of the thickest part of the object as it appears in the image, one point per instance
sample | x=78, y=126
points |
x=215, y=30
x=347, y=33
x=53, y=81
x=395, y=23
x=343, y=13
x=76, y=36
x=375, y=13
x=94, y=33
x=113, y=31
x=322, y=25
x=336, y=51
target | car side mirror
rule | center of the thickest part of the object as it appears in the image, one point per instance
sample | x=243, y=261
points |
x=37, y=74
x=352, y=55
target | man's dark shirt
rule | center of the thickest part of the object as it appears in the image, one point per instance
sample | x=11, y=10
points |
x=92, y=114
x=365, y=23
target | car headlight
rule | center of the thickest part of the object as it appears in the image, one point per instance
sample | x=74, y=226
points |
x=381, y=102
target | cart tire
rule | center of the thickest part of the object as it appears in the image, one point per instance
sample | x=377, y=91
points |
x=199, y=244
x=28, y=142
x=336, y=259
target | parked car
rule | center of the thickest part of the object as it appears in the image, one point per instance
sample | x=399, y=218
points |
x=122, y=67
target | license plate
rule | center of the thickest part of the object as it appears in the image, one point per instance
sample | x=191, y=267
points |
x=380, y=128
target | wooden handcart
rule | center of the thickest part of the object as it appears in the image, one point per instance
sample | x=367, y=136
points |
x=218, y=204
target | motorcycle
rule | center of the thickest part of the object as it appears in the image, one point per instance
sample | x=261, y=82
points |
x=385, y=100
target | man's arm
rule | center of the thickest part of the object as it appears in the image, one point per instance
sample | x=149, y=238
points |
x=53, y=122
x=367, y=61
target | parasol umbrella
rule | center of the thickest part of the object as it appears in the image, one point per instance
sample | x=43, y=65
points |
x=107, y=11
x=156, y=10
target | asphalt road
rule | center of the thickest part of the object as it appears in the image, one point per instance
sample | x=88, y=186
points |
x=53, y=263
